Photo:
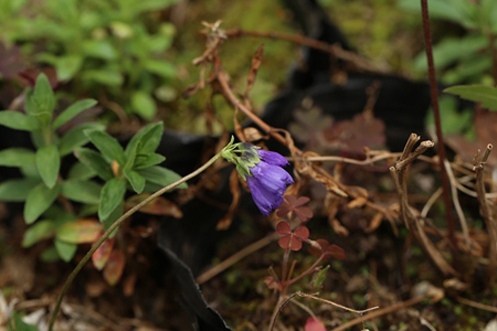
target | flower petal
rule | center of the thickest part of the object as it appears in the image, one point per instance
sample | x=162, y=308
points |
x=272, y=158
x=265, y=200
x=273, y=178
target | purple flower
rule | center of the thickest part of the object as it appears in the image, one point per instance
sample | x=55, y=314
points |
x=268, y=181
x=263, y=172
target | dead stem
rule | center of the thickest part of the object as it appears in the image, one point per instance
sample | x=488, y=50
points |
x=335, y=50
x=381, y=312
x=413, y=223
x=487, y=211
x=250, y=249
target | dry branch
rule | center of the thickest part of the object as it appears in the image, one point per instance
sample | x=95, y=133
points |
x=399, y=173
x=487, y=211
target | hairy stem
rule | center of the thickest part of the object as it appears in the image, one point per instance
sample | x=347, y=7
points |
x=116, y=224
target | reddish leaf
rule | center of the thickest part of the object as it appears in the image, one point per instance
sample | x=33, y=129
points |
x=314, y=324
x=291, y=240
x=283, y=228
x=302, y=233
x=336, y=252
x=102, y=254
x=327, y=250
x=158, y=206
x=323, y=244
x=114, y=268
x=295, y=205
x=352, y=136
x=11, y=61
x=80, y=232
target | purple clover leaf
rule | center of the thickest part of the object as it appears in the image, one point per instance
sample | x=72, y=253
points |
x=292, y=240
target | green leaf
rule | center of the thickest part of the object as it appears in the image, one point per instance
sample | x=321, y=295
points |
x=161, y=176
x=39, y=231
x=94, y=161
x=72, y=111
x=112, y=194
x=161, y=68
x=76, y=137
x=487, y=95
x=458, y=11
x=137, y=182
x=49, y=255
x=40, y=101
x=38, y=201
x=114, y=216
x=320, y=276
x=16, y=157
x=106, y=77
x=67, y=66
x=82, y=231
x=17, y=189
x=82, y=191
x=48, y=164
x=80, y=172
x=455, y=121
x=450, y=50
x=145, y=161
x=66, y=250
x=101, y=49
x=107, y=145
x=145, y=141
x=143, y=105
x=18, y=121
x=20, y=325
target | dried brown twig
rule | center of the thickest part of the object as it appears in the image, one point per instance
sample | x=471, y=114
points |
x=399, y=173
x=487, y=211
x=338, y=52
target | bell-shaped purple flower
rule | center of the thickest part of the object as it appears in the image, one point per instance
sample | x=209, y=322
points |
x=263, y=172
x=268, y=181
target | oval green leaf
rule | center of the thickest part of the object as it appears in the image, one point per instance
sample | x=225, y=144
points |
x=48, y=164
x=112, y=194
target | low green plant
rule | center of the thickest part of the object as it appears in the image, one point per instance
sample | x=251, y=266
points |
x=461, y=58
x=49, y=198
x=104, y=45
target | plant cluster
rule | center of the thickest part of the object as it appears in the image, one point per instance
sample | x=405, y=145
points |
x=100, y=45
x=62, y=206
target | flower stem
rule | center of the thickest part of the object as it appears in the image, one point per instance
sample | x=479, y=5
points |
x=116, y=224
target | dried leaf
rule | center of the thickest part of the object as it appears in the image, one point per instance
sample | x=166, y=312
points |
x=252, y=134
x=158, y=206
x=338, y=228
x=225, y=222
x=114, y=268
x=375, y=222
x=129, y=284
x=359, y=202
x=102, y=254
x=256, y=63
x=80, y=232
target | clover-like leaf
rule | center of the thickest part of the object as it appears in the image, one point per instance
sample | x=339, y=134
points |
x=295, y=205
x=291, y=240
x=326, y=249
